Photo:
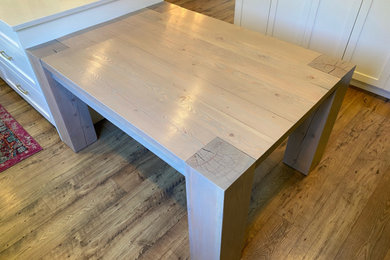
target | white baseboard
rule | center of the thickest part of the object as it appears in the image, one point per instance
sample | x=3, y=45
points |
x=370, y=88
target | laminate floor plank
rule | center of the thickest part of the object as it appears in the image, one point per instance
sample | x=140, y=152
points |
x=302, y=201
x=174, y=245
x=327, y=230
x=387, y=257
x=43, y=177
x=274, y=235
x=313, y=190
x=370, y=235
x=219, y=9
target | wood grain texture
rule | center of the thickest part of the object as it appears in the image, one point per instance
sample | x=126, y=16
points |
x=79, y=131
x=219, y=181
x=307, y=143
x=283, y=202
x=347, y=197
x=219, y=9
x=332, y=66
x=220, y=162
x=75, y=126
x=48, y=49
x=125, y=78
x=67, y=187
x=369, y=237
x=276, y=84
x=163, y=7
x=283, y=205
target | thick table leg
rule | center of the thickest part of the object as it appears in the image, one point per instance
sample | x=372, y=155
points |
x=219, y=183
x=70, y=114
x=307, y=143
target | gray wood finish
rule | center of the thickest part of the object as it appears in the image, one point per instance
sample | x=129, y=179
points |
x=219, y=184
x=71, y=115
x=330, y=65
x=78, y=131
x=307, y=143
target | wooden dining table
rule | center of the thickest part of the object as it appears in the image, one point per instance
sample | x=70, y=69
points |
x=211, y=99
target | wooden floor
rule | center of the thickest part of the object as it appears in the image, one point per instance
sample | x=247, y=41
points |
x=219, y=9
x=116, y=200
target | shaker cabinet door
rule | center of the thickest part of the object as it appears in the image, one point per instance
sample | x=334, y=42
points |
x=332, y=26
x=324, y=26
x=369, y=46
x=252, y=14
x=288, y=19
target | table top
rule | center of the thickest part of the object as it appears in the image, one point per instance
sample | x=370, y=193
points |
x=183, y=79
x=19, y=14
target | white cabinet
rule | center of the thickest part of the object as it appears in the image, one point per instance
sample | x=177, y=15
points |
x=252, y=14
x=354, y=30
x=26, y=23
x=320, y=25
x=333, y=22
x=18, y=73
x=288, y=19
x=369, y=46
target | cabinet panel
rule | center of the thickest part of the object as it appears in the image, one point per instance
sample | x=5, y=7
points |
x=288, y=19
x=25, y=89
x=8, y=34
x=369, y=44
x=16, y=58
x=256, y=14
x=2, y=72
x=324, y=26
x=333, y=26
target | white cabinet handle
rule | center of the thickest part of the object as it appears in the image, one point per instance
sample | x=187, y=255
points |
x=25, y=92
x=5, y=55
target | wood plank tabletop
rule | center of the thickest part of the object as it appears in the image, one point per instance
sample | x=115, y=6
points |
x=183, y=79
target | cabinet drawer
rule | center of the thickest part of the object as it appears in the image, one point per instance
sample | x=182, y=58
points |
x=17, y=59
x=27, y=91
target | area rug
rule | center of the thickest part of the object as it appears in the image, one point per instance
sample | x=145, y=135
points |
x=15, y=143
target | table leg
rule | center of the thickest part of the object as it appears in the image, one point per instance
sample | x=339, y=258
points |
x=219, y=183
x=307, y=143
x=71, y=115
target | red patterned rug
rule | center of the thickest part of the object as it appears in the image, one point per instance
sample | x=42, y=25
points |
x=15, y=143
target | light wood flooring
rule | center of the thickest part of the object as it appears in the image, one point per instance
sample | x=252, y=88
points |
x=116, y=200
x=219, y=9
